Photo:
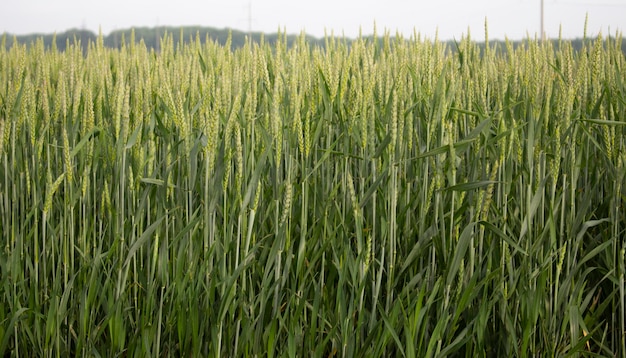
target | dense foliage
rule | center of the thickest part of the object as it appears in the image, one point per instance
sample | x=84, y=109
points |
x=391, y=197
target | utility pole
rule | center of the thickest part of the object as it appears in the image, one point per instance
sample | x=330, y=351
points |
x=249, y=19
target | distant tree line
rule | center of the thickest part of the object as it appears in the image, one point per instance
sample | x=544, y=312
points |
x=151, y=36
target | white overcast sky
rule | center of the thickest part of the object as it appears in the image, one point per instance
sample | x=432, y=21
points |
x=451, y=18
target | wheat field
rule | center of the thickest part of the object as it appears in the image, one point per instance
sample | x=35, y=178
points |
x=386, y=196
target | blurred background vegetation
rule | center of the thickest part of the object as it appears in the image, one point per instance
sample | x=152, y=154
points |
x=151, y=37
